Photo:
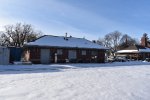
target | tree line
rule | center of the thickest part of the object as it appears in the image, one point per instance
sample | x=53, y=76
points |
x=19, y=34
x=115, y=40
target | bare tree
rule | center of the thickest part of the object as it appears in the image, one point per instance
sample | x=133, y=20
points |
x=17, y=35
x=101, y=41
x=108, y=40
x=111, y=40
x=115, y=38
x=1, y=38
x=126, y=40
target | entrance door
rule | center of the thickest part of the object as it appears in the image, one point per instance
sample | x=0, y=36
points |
x=45, y=56
x=72, y=54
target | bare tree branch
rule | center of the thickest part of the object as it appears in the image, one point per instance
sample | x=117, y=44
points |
x=17, y=35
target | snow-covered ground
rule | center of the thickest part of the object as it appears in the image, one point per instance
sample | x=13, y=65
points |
x=111, y=81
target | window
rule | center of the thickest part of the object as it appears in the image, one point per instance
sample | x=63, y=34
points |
x=83, y=52
x=72, y=54
x=94, y=53
x=59, y=52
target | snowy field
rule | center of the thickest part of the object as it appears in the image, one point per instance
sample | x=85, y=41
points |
x=111, y=81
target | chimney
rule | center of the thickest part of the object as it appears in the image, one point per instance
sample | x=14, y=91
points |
x=65, y=38
x=144, y=40
x=126, y=40
x=66, y=35
x=94, y=41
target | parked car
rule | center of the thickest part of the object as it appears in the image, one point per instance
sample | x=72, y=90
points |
x=121, y=58
x=110, y=58
x=147, y=59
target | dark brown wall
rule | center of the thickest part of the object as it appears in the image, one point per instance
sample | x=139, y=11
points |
x=100, y=57
x=61, y=58
x=35, y=54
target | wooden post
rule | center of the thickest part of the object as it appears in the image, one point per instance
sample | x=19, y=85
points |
x=55, y=57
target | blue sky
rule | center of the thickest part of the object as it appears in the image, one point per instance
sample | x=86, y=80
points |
x=80, y=18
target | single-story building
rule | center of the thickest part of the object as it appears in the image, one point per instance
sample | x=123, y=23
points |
x=60, y=49
x=136, y=52
x=4, y=55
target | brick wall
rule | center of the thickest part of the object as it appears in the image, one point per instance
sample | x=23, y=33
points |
x=89, y=57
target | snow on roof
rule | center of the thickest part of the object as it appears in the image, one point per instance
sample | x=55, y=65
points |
x=144, y=50
x=127, y=51
x=60, y=41
x=134, y=51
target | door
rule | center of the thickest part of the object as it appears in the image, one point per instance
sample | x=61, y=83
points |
x=45, y=56
x=72, y=54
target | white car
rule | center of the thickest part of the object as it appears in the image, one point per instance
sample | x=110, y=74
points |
x=121, y=58
x=110, y=58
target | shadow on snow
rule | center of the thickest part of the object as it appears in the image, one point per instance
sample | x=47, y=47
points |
x=20, y=69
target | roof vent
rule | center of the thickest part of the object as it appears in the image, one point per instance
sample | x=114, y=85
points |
x=94, y=41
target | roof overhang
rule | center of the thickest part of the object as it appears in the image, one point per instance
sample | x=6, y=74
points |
x=45, y=46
